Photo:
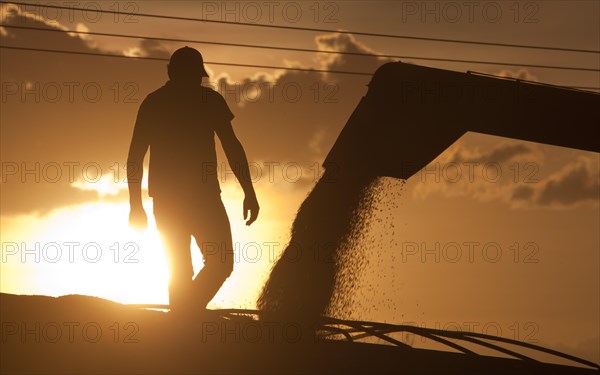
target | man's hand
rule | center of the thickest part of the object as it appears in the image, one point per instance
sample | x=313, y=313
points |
x=250, y=205
x=137, y=218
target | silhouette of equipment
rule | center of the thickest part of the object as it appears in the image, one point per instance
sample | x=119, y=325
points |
x=411, y=114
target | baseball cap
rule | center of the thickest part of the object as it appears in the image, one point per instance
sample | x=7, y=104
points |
x=187, y=60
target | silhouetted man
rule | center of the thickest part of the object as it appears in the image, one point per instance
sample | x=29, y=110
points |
x=178, y=122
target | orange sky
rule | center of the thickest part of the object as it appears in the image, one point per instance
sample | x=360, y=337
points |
x=73, y=115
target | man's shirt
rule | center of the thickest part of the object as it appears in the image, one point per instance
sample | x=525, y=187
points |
x=179, y=121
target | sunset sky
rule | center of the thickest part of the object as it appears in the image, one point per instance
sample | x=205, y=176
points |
x=67, y=120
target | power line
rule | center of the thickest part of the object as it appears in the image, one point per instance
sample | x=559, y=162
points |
x=298, y=28
x=217, y=63
x=304, y=49
x=166, y=59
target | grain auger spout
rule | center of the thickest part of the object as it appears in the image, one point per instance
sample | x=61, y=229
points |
x=411, y=114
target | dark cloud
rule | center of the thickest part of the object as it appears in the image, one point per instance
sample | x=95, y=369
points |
x=506, y=153
x=152, y=48
x=500, y=154
x=12, y=16
x=347, y=43
x=573, y=182
x=578, y=184
x=522, y=193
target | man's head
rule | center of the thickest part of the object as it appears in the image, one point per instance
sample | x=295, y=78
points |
x=186, y=64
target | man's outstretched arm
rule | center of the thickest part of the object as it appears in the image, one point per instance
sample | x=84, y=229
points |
x=135, y=170
x=239, y=163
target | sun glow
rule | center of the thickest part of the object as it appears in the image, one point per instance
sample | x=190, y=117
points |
x=90, y=249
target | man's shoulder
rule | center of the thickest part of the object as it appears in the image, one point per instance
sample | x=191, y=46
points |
x=166, y=94
x=211, y=94
x=217, y=102
x=155, y=95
